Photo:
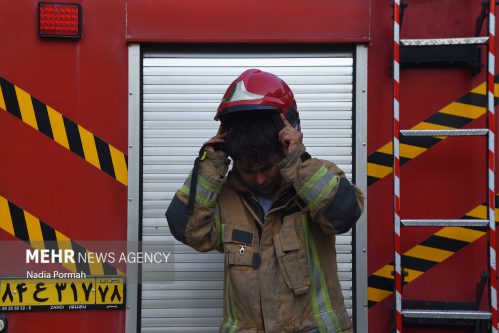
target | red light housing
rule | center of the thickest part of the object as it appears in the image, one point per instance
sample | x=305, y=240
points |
x=59, y=20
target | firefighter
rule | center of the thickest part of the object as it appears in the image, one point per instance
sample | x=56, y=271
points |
x=274, y=216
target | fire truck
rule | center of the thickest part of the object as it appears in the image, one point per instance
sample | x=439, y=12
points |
x=103, y=108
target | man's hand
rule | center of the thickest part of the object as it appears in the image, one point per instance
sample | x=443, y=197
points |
x=289, y=137
x=218, y=139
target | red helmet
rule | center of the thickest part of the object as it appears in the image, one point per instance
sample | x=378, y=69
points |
x=256, y=90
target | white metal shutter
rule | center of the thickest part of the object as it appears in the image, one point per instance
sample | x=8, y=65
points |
x=180, y=95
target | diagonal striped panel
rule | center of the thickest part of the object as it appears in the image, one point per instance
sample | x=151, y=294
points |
x=426, y=255
x=64, y=131
x=39, y=235
x=453, y=116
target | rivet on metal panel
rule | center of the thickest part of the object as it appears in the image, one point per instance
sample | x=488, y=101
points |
x=364, y=250
x=364, y=90
x=129, y=199
x=364, y=144
x=130, y=146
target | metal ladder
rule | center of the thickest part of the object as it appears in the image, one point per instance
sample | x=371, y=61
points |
x=445, y=313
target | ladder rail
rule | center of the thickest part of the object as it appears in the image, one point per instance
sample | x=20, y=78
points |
x=491, y=166
x=396, y=165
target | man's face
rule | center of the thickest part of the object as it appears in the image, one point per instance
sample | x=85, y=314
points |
x=263, y=179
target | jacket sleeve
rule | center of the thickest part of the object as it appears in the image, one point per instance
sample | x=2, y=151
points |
x=334, y=203
x=200, y=230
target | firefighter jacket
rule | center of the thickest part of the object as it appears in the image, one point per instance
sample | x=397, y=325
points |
x=280, y=271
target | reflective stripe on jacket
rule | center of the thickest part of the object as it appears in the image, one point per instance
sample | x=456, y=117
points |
x=280, y=269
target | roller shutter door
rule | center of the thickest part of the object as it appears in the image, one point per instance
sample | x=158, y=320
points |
x=180, y=95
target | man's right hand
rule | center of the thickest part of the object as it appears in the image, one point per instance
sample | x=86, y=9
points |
x=289, y=137
x=218, y=139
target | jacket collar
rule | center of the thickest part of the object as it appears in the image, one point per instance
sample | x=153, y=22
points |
x=286, y=192
x=235, y=182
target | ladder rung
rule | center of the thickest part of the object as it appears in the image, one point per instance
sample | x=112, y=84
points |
x=456, y=132
x=444, y=223
x=444, y=41
x=447, y=314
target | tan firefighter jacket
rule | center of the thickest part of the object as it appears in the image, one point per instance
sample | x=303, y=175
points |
x=280, y=269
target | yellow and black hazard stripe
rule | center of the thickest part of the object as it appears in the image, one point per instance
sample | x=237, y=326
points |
x=64, y=131
x=39, y=235
x=426, y=255
x=453, y=116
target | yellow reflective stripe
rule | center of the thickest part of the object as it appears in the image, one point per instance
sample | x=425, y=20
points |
x=412, y=274
x=185, y=190
x=89, y=148
x=429, y=126
x=2, y=101
x=385, y=271
x=410, y=151
x=479, y=212
x=206, y=191
x=406, y=150
x=26, y=107
x=378, y=171
x=203, y=201
x=5, y=218
x=120, y=168
x=310, y=183
x=96, y=267
x=64, y=243
x=481, y=89
x=429, y=253
x=232, y=320
x=212, y=187
x=461, y=234
x=62, y=130
x=463, y=110
x=377, y=295
x=33, y=226
x=34, y=231
x=387, y=149
x=322, y=308
x=58, y=129
x=219, y=225
x=328, y=187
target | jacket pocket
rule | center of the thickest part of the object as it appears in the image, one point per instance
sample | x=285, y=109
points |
x=291, y=258
x=238, y=247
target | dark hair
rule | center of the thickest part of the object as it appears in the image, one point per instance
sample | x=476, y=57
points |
x=253, y=137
